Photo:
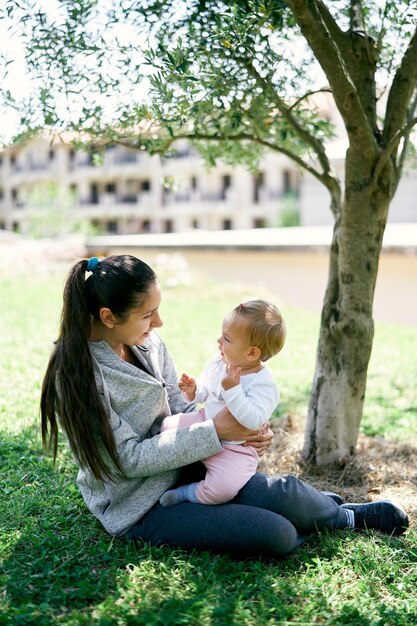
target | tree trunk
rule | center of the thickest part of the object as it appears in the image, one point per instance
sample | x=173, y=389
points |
x=347, y=328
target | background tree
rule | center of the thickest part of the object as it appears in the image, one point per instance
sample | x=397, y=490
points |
x=238, y=78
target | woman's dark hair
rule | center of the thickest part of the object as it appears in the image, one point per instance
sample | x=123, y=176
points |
x=69, y=390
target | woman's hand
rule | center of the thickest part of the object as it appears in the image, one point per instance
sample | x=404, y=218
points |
x=264, y=439
x=229, y=429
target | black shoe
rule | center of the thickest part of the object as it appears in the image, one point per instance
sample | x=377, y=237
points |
x=334, y=496
x=383, y=515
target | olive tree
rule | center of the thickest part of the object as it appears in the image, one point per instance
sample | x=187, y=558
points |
x=237, y=78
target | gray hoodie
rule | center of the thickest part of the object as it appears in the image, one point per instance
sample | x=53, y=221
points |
x=136, y=403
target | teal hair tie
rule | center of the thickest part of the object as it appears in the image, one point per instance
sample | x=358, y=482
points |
x=92, y=264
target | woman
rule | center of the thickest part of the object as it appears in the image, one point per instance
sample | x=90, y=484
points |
x=111, y=381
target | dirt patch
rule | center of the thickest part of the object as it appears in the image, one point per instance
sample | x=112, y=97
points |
x=381, y=469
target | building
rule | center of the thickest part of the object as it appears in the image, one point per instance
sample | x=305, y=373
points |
x=129, y=191
x=314, y=199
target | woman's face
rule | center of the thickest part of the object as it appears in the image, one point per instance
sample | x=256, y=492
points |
x=140, y=321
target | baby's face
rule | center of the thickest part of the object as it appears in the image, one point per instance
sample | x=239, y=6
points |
x=234, y=342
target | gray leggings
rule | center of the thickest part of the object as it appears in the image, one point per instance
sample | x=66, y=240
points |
x=269, y=517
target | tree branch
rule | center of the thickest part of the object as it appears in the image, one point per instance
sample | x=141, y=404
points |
x=245, y=137
x=286, y=112
x=403, y=154
x=342, y=39
x=326, y=179
x=307, y=95
x=402, y=89
x=329, y=45
x=391, y=147
x=383, y=30
x=357, y=25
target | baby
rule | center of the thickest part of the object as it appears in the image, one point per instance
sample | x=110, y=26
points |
x=236, y=378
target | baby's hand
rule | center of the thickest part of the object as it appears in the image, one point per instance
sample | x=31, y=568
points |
x=232, y=377
x=188, y=386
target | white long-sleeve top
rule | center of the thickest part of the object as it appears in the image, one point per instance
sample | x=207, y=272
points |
x=251, y=402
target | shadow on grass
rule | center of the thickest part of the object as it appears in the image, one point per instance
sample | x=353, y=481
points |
x=55, y=554
x=59, y=566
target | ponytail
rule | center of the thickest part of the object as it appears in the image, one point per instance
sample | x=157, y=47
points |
x=69, y=389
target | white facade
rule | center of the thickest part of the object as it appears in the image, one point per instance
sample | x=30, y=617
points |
x=132, y=192
x=314, y=199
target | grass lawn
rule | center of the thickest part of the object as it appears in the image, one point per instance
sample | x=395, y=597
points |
x=58, y=566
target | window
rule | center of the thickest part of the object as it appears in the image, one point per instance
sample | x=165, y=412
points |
x=226, y=183
x=146, y=226
x=258, y=182
x=145, y=185
x=290, y=182
x=227, y=225
x=286, y=181
x=73, y=190
x=125, y=155
x=112, y=226
x=94, y=194
x=168, y=228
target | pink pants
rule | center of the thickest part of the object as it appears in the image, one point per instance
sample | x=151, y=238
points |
x=227, y=471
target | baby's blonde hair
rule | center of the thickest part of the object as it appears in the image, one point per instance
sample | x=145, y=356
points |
x=265, y=326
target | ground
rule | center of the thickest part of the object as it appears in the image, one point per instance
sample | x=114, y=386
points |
x=381, y=469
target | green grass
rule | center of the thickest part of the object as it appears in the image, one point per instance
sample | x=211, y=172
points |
x=58, y=566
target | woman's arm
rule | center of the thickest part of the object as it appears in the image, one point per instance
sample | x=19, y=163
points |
x=229, y=429
x=176, y=448
x=165, y=451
